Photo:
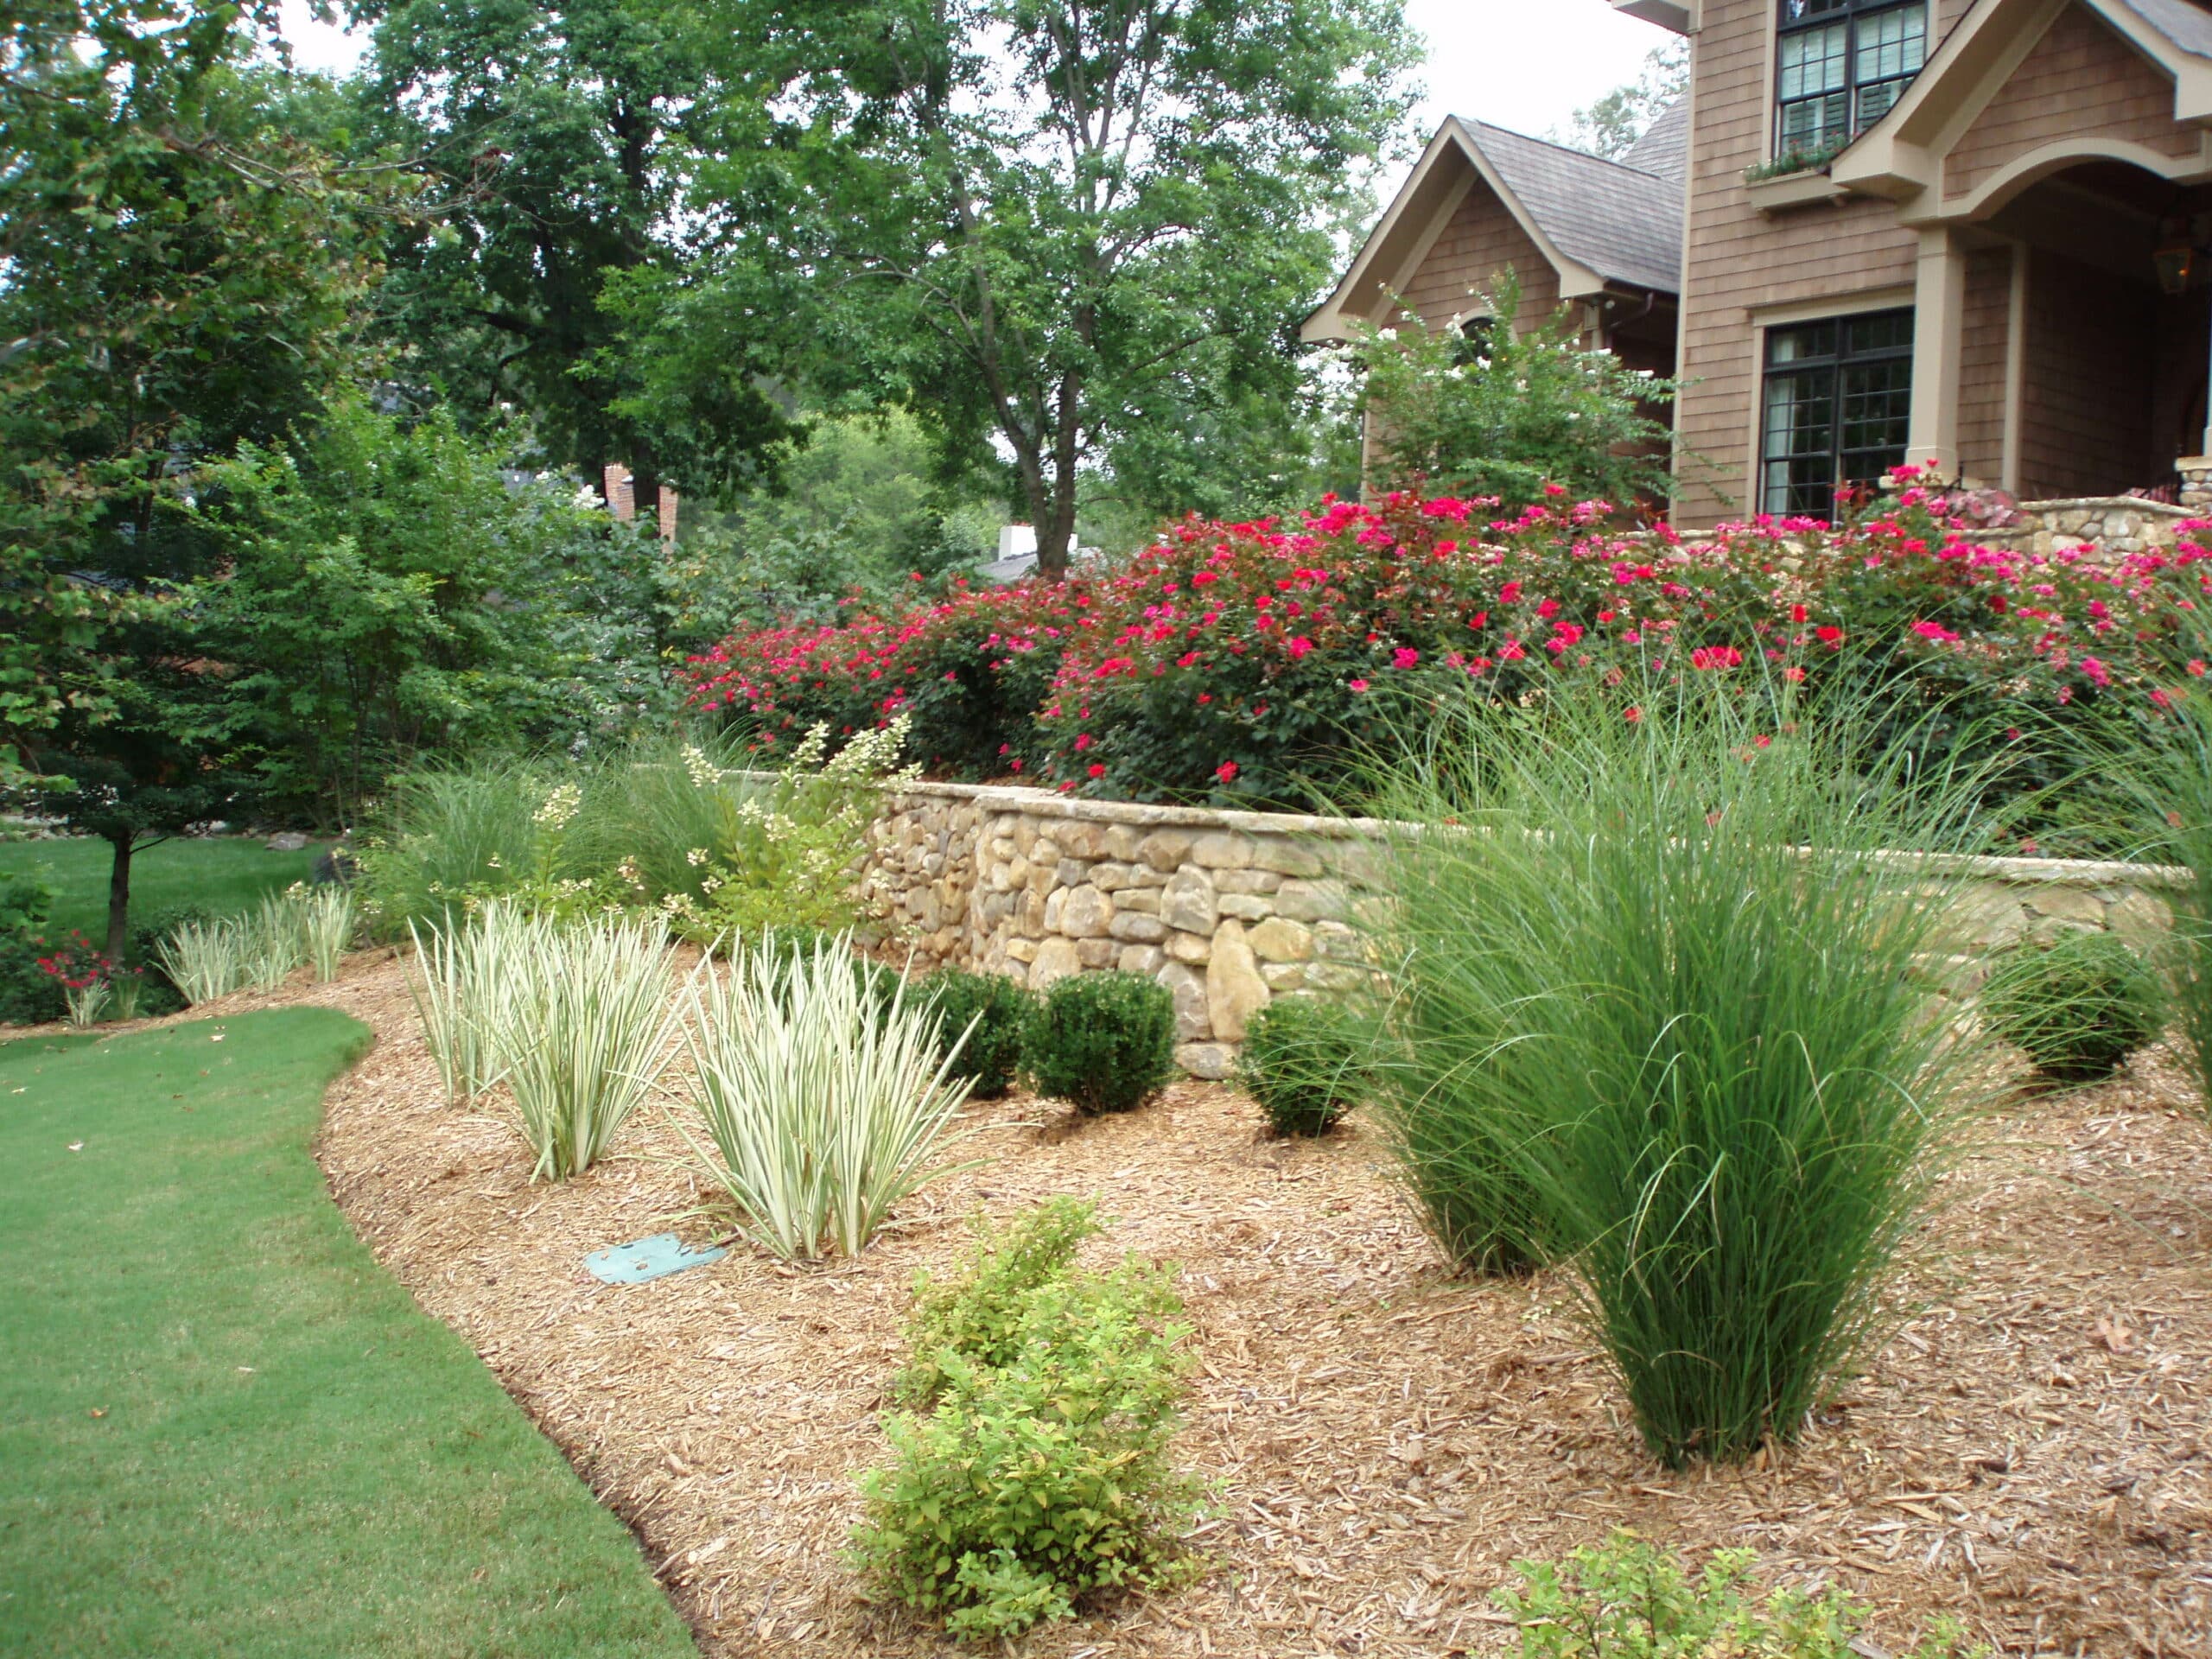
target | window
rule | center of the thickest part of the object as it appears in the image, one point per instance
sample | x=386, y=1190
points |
x=1837, y=410
x=1843, y=64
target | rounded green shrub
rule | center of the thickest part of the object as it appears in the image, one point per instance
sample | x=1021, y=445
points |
x=1102, y=1042
x=2077, y=1007
x=1304, y=1063
x=1000, y=1010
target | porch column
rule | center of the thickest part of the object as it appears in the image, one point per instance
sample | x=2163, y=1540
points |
x=1938, y=325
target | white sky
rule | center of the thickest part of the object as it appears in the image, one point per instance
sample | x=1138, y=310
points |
x=1524, y=64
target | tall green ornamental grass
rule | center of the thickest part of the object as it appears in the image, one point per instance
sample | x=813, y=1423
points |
x=580, y=1029
x=449, y=834
x=1657, y=1017
x=823, y=1108
x=2169, y=765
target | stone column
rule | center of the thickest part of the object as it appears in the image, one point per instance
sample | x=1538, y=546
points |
x=2197, y=483
x=1938, y=325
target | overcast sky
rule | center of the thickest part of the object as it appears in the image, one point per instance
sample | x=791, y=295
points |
x=1523, y=64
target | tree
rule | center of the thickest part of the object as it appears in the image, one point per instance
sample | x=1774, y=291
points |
x=1046, y=226
x=564, y=133
x=1506, y=415
x=179, y=272
x=1612, y=126
x=387, y=594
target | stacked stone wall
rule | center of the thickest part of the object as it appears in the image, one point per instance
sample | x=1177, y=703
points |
x=1232, y=910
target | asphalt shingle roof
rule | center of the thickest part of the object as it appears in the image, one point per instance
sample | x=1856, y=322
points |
x=1665, y=147
x=1624, y=222
x=2187, y=25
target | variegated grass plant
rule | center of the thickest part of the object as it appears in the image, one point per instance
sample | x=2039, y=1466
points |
x=457, y=981
x=204, y=960
x=326, y=916
x=825, y=1109
x=581, y=1028
x=271, y=943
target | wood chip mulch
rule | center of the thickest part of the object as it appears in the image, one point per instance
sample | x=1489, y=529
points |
x=2029, y=1450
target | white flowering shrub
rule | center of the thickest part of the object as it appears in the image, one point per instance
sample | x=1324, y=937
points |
x=788, y=851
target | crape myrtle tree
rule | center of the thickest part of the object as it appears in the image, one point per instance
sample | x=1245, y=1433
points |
x=564, y=135
x=1044, y=225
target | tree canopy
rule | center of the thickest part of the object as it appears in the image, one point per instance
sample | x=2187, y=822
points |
x=1050, y=228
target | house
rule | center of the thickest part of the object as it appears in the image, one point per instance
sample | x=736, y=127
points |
x=1969, y=234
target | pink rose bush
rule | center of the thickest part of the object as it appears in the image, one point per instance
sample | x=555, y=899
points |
x=1251, y=662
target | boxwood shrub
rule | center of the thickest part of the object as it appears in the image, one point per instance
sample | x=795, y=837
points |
x=1102, y=1042
x=1303, y=1062
x=1001, y=1011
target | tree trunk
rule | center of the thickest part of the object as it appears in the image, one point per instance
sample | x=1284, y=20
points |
x=118, y=896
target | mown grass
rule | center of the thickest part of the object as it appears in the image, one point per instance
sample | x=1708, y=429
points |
x=225, y=1429
x=224, y=874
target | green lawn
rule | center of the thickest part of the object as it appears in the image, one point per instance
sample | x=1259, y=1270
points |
x=224, y=874
x=224, y=1429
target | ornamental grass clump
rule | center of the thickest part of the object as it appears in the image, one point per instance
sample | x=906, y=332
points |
x=458, y=980
x=2169, y=767
x=327, y=917
x=1039, y=1475
x=1102, y=1042
x=1304, y=1061
x=2078, y=1007
x=579, y=1030
x=203, y=959
x=1658, y=1018
x=824, y=1110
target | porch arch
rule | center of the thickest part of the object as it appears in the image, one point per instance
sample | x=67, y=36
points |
x=2056, y=353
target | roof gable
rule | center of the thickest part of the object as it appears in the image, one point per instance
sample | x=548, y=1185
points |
x=1903, y=156
x=1596, y=222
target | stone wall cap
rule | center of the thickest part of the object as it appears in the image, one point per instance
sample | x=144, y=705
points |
x=2109, y=503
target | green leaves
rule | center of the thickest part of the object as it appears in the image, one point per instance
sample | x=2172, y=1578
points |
x=1052, y=228
x=1041, y=1474
x=1522, y=408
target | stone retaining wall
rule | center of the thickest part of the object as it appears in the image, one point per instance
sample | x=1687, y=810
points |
x=1231, y=910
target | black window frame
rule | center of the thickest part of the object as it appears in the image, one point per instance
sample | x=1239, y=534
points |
x=1863, y=100
x=1856, y=379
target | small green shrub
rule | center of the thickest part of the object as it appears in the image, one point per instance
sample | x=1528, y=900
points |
x=1040, y=1480
x=1627, y=1597
x=2078, y=1008
x=27, y=996
x=977, y=1315
x=1303, y=1062
x=1102, y=1042
x=1001, y=1011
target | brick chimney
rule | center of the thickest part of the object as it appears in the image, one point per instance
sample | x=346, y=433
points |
x=668, y=513
x=622, y=492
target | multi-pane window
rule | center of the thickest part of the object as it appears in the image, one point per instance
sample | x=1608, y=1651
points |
x=1843, y=64
x=1837, y=409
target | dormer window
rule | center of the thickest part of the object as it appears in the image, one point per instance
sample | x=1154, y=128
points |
x=1843, y=64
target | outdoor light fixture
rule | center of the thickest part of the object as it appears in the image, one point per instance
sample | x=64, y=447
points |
x=2177, y=266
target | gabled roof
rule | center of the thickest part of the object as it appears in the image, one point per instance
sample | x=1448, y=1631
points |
x=1599, y=223
x=1900, y=157
x=2188, y=26
x=1665, y=147
x=1621, y=221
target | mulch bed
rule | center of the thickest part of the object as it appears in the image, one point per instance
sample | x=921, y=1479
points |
x=2031, y=1450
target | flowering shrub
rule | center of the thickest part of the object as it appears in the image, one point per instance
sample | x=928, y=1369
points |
x=86, y=975
x=1252, y=662
x=784, y=855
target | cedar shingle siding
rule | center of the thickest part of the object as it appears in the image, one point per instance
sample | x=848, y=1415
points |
x=2080, y=78
x=1480, y=240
